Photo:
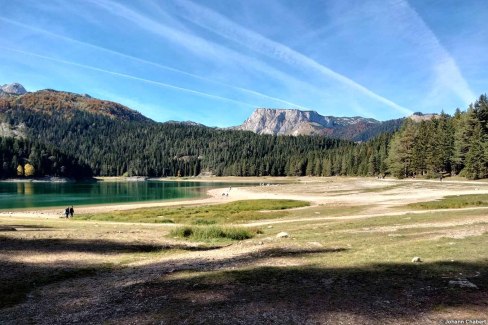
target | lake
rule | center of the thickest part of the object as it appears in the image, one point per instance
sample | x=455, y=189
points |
x=45, y=194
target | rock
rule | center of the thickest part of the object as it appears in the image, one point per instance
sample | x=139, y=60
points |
x=296, y=122
x=416, y=259
x=316, y=244
x=14, y=89
x=462, y=283
x=327, y=281
x=282, y=234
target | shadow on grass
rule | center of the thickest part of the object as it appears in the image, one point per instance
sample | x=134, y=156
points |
x=89, y=246
x=23, y=228
x=376, y=294
x=236, y=291
x=17, y=279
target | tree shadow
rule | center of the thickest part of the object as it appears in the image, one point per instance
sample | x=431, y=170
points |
x=8, y=228
x=19, y=278
x=236, y=291
x=379, y=293
x=56, y=245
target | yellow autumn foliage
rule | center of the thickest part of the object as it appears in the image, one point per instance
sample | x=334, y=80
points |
x=29, y=170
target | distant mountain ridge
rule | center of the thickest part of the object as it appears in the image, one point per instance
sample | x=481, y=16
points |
x=71, y=135
x=262, y=121
x=296, y=122
x=48, y=101
x=419, y=117
x=184, y=123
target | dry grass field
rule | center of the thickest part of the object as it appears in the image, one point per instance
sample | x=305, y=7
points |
x=347, y=258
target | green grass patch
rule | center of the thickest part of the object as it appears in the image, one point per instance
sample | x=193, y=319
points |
x=233, y=212
x=206, y=233
x=454, y=202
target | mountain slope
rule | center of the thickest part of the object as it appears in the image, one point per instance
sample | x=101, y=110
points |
x=58, y=133
x=50, y=101
x=297, y=122
x=112, y=140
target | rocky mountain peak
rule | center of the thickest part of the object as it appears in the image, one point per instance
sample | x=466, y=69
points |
x=14, y=89
x=298, y=122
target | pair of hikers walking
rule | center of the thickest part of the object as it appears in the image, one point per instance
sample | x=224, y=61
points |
x=69, y=212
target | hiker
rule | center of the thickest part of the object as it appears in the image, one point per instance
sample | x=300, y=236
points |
x=71, y=211
x=66, y=213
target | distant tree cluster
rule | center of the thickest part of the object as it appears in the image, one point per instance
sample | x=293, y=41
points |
x=22, y=158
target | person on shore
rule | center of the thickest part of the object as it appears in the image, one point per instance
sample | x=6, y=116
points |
x=66, y=213
x=71, y=211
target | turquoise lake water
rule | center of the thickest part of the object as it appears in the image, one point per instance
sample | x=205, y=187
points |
x=37, y=194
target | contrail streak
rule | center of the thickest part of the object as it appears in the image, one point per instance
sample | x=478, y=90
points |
x=445, y=66
x=127, y=76
x=151, y=63
x=224, y=27
x=200, y=46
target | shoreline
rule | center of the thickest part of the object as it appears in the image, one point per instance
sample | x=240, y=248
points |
x=213, y=196
x=203, y=179
x=378, y=195
x=51, y=211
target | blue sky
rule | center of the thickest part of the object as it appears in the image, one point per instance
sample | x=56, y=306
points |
x=214, y=62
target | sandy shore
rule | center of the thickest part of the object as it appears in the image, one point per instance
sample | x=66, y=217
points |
x=381, y=195
x=215, y=196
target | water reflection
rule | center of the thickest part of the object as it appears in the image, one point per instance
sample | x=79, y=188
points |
x=31, y=194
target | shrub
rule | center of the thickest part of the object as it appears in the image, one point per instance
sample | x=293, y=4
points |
x=204, y=222
x=214, y=232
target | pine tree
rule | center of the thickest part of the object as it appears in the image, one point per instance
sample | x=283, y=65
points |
x=476, y=158
x=401, y=148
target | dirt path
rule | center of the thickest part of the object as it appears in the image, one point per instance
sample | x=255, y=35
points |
x=360, y=216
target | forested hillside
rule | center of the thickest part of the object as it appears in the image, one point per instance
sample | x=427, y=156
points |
x=113, y=147
x=20, y=158
x=107, y=139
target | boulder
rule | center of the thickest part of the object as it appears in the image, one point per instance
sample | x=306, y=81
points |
x=462, y=283
x=282, y=234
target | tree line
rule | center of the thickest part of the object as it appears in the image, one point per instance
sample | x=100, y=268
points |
x=24, y=158
x=454, y=145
